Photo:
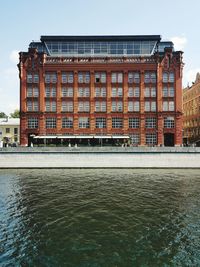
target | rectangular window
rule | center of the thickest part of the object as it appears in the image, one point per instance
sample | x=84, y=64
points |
x=147, y=92
x=67, y=77
x=67, y=106
x=171, y=105
x=53, y=106
x=153, y=92
x=35, y=78
x=134, y=122
x=168, y=77
x=150, y=122
x=150, y=106
x=29, y=78
x=67, y=92
x=133, y=106
x=50, y=123
x=48, y=106
x=53, y=92
x=84, y=106
x=35, y=92
x=136, y=92
x=100, y=123
x=165, y=91
x=47, y=78
x=165, y=105
x=169, y=122
x=117, y=77
x=67, y=122
x=83, y=92
x=133, y=77
x=135, y=139
x=165, y=77
x=35, y=106
x=100, y=92
x=153, y=106
x=150, y=77
x=47, y=92
x=168, y=92
x=84, y=77
x=168, y=105
x=32, y=123
x=117, y=122
x=171, y=91
x=117, y=92
x=151, y=139
x=171, y=77
x=29, y=106
x=84, y=122
x=117, y=106
x=7, y=130
x=100, y=77
x=51, y=77
x=29, y=92
x=147, y=105
x=15, y=130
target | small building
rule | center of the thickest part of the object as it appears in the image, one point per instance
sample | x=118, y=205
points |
x=9, y=131
x=191, y=109
x=101, y=90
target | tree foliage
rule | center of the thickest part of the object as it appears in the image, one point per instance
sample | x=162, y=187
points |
x=2, y=115
x=15, y=114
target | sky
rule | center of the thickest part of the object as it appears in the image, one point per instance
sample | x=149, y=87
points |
x=22, y=21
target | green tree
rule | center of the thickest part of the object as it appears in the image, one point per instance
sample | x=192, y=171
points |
x=15, y=114
x=3, y=115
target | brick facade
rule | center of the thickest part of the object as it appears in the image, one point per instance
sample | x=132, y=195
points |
x=145, y=91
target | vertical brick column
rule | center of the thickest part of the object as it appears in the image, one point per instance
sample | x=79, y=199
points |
x=75, y=101
x=109, y=120
x=92, y=109
x=58, y=102
x=160, y=137
x=42, y=129
x=142, y=116
x=178, y=106
x=125, y=102
x=23, y=117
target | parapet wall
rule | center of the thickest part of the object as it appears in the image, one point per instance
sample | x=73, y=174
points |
x=100, y=158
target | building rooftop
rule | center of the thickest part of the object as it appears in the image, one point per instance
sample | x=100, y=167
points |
x=100, y=45
x=9, y=121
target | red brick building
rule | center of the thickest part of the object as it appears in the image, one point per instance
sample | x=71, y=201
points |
x=191, y=109
x=101, y=90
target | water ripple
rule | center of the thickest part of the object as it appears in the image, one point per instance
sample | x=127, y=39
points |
x=99, y=218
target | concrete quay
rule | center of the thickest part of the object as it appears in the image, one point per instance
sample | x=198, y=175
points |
x=99, y=157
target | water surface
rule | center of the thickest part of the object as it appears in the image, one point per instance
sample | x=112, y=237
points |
x=99, y=218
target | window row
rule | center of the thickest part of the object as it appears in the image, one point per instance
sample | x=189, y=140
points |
x=100, y=106
x=116, y=77
x=100, y=92
x=84, y=122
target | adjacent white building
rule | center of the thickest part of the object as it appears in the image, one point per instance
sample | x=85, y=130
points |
x=9, y=131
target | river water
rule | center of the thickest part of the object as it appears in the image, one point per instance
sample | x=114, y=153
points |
x=99, y=218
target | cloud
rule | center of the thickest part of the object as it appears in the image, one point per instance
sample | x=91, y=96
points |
x=14, y=56
x=190, y=76
x=179, y=42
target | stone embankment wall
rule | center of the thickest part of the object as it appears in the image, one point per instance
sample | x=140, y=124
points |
x=105, y=157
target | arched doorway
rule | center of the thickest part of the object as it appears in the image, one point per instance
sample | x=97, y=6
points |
x=169, y=139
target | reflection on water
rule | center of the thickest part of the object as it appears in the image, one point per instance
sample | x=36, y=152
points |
x=99, y=218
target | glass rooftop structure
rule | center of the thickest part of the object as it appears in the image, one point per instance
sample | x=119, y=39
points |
x=144, y=45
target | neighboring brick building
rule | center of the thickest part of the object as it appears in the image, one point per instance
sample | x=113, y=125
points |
x=101, y=90
x=191, y=109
